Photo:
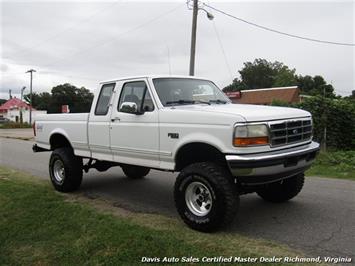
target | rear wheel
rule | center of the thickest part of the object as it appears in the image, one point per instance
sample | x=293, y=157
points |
x=205, y=196
x=135, y=172
x=65, y=170
x=283, y=190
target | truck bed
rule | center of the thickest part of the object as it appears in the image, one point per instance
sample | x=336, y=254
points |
x=72, y=126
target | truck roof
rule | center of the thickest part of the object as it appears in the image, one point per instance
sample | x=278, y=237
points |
x=151, y=76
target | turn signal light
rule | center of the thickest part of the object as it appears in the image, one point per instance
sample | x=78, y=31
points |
x=251, y=141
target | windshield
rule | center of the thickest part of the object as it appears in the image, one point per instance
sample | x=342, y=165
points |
x=179, y=91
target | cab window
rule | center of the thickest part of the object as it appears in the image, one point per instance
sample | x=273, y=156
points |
x=138, y=93
x=104, y=99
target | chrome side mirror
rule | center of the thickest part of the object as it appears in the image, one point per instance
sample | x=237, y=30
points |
x=129, y=107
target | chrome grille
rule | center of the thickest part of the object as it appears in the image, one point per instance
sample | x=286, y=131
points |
x=290, y=131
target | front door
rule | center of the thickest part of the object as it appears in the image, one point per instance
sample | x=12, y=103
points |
x=135, y=136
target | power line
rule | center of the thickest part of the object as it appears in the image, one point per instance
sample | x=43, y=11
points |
x=222, y=49
x=277, y=31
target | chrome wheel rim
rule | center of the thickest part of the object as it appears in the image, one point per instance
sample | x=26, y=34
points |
x=58, y=171
x=198, y=198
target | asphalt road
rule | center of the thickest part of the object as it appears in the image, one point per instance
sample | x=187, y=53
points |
x=319, y=221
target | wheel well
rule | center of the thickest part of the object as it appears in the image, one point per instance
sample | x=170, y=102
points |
x=59, y=141
x=197, y=152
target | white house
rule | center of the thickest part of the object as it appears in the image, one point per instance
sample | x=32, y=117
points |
x=12, y=110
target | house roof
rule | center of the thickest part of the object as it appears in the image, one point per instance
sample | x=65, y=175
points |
x=13, y=103
x=267, y=95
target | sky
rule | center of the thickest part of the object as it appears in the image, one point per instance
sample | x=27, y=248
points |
x=83, y=42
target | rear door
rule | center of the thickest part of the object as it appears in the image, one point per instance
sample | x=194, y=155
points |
x=99, y=124
x=135, y=137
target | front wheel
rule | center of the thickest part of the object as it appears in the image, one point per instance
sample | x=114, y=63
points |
x=205, y=196
x=283, y=190
x=65, y=170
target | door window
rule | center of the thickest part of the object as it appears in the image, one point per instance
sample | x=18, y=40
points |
x=138, y=93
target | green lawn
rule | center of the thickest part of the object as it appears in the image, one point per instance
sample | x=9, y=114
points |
x=14, y=125
x=41, y=227
x=337, y=164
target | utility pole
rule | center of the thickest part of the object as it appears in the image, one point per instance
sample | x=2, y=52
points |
x=193, y=37
x=21, y=116
x=195, y=9
x=31, y=73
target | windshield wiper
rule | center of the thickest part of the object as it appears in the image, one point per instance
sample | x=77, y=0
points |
x=181, y=102
x=187, y=102
x=199, y=101
x=218, y=101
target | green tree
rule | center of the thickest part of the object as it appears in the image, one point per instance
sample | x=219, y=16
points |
x=315, y=86
x=79, y=100
x=84, y=98
x=236, y=85
x=263, y=74
x=40, y=101
x=257, y=74
x=285, y=77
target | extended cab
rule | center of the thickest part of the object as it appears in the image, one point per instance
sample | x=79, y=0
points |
x=187, y=125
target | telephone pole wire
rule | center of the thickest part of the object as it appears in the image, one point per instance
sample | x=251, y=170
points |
x=31, y=73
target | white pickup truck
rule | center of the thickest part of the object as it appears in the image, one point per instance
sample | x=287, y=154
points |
x=187, y=125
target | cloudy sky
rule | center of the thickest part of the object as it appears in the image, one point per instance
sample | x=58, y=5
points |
x=84, y=42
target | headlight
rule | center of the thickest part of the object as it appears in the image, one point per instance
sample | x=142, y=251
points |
x=250, y=135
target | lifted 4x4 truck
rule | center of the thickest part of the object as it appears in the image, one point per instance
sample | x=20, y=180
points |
x=187, y=125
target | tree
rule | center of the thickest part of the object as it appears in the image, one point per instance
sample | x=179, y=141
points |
x=79, y=100
x=285, y=77
x=40, y=101
x=259, y=74
x=84, y=97
x=315, y=86
x=263, y=74
x=2, y=101
x=236, y=85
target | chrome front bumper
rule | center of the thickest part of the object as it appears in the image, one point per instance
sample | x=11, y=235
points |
x=261, y=168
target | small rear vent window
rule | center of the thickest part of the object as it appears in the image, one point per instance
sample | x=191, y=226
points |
x=104, y=99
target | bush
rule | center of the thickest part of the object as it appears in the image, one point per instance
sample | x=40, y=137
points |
x=339, y=160
x=15, y=125
x=337, y=115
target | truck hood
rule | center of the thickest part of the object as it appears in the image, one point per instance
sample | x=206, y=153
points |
x=251, y=113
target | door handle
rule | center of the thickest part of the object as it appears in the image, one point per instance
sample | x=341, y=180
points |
x=115, y=119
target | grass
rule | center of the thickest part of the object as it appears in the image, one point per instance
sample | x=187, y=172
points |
x=14, y=125
x=336, y=164
x=42, y=227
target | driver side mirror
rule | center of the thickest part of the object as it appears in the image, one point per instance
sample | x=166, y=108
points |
x=130, y=108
